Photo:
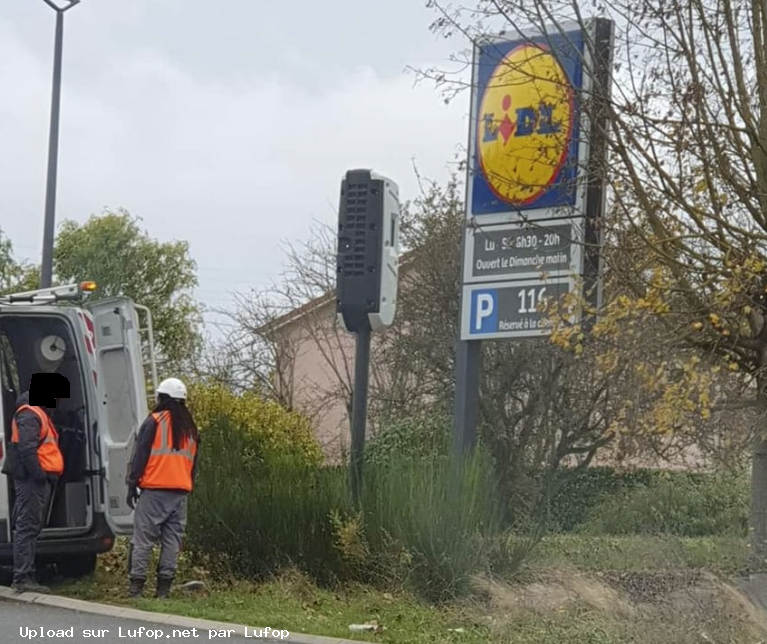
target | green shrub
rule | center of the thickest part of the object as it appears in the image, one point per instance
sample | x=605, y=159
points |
x=423, y=435
x=256, y=516
x=573, y=493
x=639, y=501
x=268, y=429
x=422, y=523
x=687, y=505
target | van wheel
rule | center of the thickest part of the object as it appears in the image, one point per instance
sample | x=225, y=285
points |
x=77, y=565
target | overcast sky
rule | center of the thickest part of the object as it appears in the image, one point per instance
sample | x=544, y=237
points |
x=229, y=124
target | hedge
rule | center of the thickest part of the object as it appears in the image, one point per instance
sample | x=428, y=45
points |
x=578, y=491
x=690, y=504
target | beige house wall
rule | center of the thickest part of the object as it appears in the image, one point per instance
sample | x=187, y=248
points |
x=317, y=376
x=313, y=376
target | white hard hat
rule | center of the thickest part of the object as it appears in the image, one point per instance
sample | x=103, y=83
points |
x=173, y=387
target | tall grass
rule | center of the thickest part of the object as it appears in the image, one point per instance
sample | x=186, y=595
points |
x=441, y=516
x=423, y=521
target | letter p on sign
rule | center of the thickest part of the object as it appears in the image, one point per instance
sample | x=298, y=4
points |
x=484, y=311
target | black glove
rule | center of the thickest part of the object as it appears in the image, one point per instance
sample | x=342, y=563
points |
x=52, y=478
x=132, y=496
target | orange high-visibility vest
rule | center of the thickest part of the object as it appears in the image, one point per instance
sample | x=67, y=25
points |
x=168, y=468
x=48, y=452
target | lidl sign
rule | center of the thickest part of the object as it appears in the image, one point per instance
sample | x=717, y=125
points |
x=527, y=139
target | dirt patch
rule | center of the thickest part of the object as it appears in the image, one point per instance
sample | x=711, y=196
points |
x=670, y=597
x=652, y=587
x=552, y=592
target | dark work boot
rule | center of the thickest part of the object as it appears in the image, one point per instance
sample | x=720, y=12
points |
x=29, y=586
x=136, y=587
x=163, y=586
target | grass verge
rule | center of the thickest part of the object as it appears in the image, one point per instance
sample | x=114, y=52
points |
x=720, y=555
x=295, y=603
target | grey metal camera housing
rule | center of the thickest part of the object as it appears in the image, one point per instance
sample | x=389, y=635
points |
x=367, y=261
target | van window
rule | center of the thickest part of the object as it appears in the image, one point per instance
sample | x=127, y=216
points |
x=10, y=380
x=25, y=346
x=8, y=366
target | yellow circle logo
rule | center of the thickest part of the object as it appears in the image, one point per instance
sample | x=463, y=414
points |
x=525, y=124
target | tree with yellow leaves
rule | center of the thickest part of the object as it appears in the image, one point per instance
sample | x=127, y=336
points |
x=687, y=170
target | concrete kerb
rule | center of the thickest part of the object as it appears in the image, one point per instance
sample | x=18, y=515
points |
x=177, y=621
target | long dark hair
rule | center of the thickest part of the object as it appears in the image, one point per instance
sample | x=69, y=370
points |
x=182, y=423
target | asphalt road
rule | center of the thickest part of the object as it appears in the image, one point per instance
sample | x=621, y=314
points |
x=22, y=623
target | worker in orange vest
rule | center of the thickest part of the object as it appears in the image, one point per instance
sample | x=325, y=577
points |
x=163, y=468
x=35, y=463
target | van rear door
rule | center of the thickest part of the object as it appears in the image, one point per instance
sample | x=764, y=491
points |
x=121, y=397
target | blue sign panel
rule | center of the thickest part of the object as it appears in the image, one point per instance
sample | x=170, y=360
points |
x=526, y=130
x=484, y=311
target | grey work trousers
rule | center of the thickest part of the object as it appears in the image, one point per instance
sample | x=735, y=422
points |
x=29, y=514
x=160, y=516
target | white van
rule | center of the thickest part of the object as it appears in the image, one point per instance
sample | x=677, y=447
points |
x=98, y=347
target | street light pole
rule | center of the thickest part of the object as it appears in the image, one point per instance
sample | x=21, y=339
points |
x=46, y=272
